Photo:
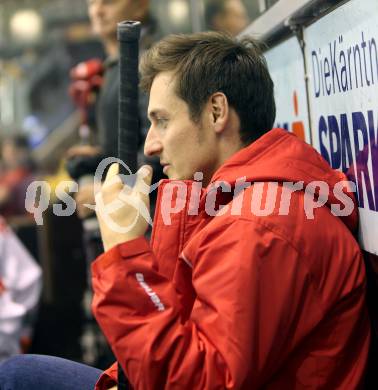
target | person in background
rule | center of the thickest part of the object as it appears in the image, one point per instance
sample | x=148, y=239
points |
x=104, y=16
x=229, y=16
x=17, y=173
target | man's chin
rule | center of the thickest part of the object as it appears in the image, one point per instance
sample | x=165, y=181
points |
x=104, y=32
x=173, y=175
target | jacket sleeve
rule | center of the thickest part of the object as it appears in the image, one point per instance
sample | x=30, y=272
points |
x=247, y=316
x=20, y=277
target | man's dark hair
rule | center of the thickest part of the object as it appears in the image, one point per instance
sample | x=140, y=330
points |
x=209, y=62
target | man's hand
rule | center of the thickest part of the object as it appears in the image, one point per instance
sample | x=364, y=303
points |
x=123, y=211
x=85, y=195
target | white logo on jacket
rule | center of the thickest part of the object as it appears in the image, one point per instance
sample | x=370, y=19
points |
x=153, y=296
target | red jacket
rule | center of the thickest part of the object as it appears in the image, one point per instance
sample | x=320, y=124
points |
x=240, y=301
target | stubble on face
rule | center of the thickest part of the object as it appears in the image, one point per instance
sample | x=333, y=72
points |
x=187, y=144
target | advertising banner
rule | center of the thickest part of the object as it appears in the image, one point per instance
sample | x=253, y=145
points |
x=342, y=56
x=285, y=63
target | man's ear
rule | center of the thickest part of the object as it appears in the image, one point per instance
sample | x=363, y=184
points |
x=219, y=111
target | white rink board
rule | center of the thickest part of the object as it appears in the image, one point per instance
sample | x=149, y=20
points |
x=342, y=59
x=287, y=70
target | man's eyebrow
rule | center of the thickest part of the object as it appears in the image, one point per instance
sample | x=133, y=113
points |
x=156, y=113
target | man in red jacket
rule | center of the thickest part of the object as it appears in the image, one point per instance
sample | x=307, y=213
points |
x=253, y=278
x=259, y=283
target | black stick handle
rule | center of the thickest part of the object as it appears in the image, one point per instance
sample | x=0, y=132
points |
x=128, y=131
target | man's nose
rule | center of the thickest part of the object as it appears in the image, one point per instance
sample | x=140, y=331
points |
x=152, y=145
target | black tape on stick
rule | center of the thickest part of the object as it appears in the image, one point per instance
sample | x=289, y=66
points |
x=128, y=131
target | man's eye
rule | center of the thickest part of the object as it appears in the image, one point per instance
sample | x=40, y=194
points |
x=161, y=122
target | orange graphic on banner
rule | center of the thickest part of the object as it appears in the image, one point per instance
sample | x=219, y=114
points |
x=297, y=127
